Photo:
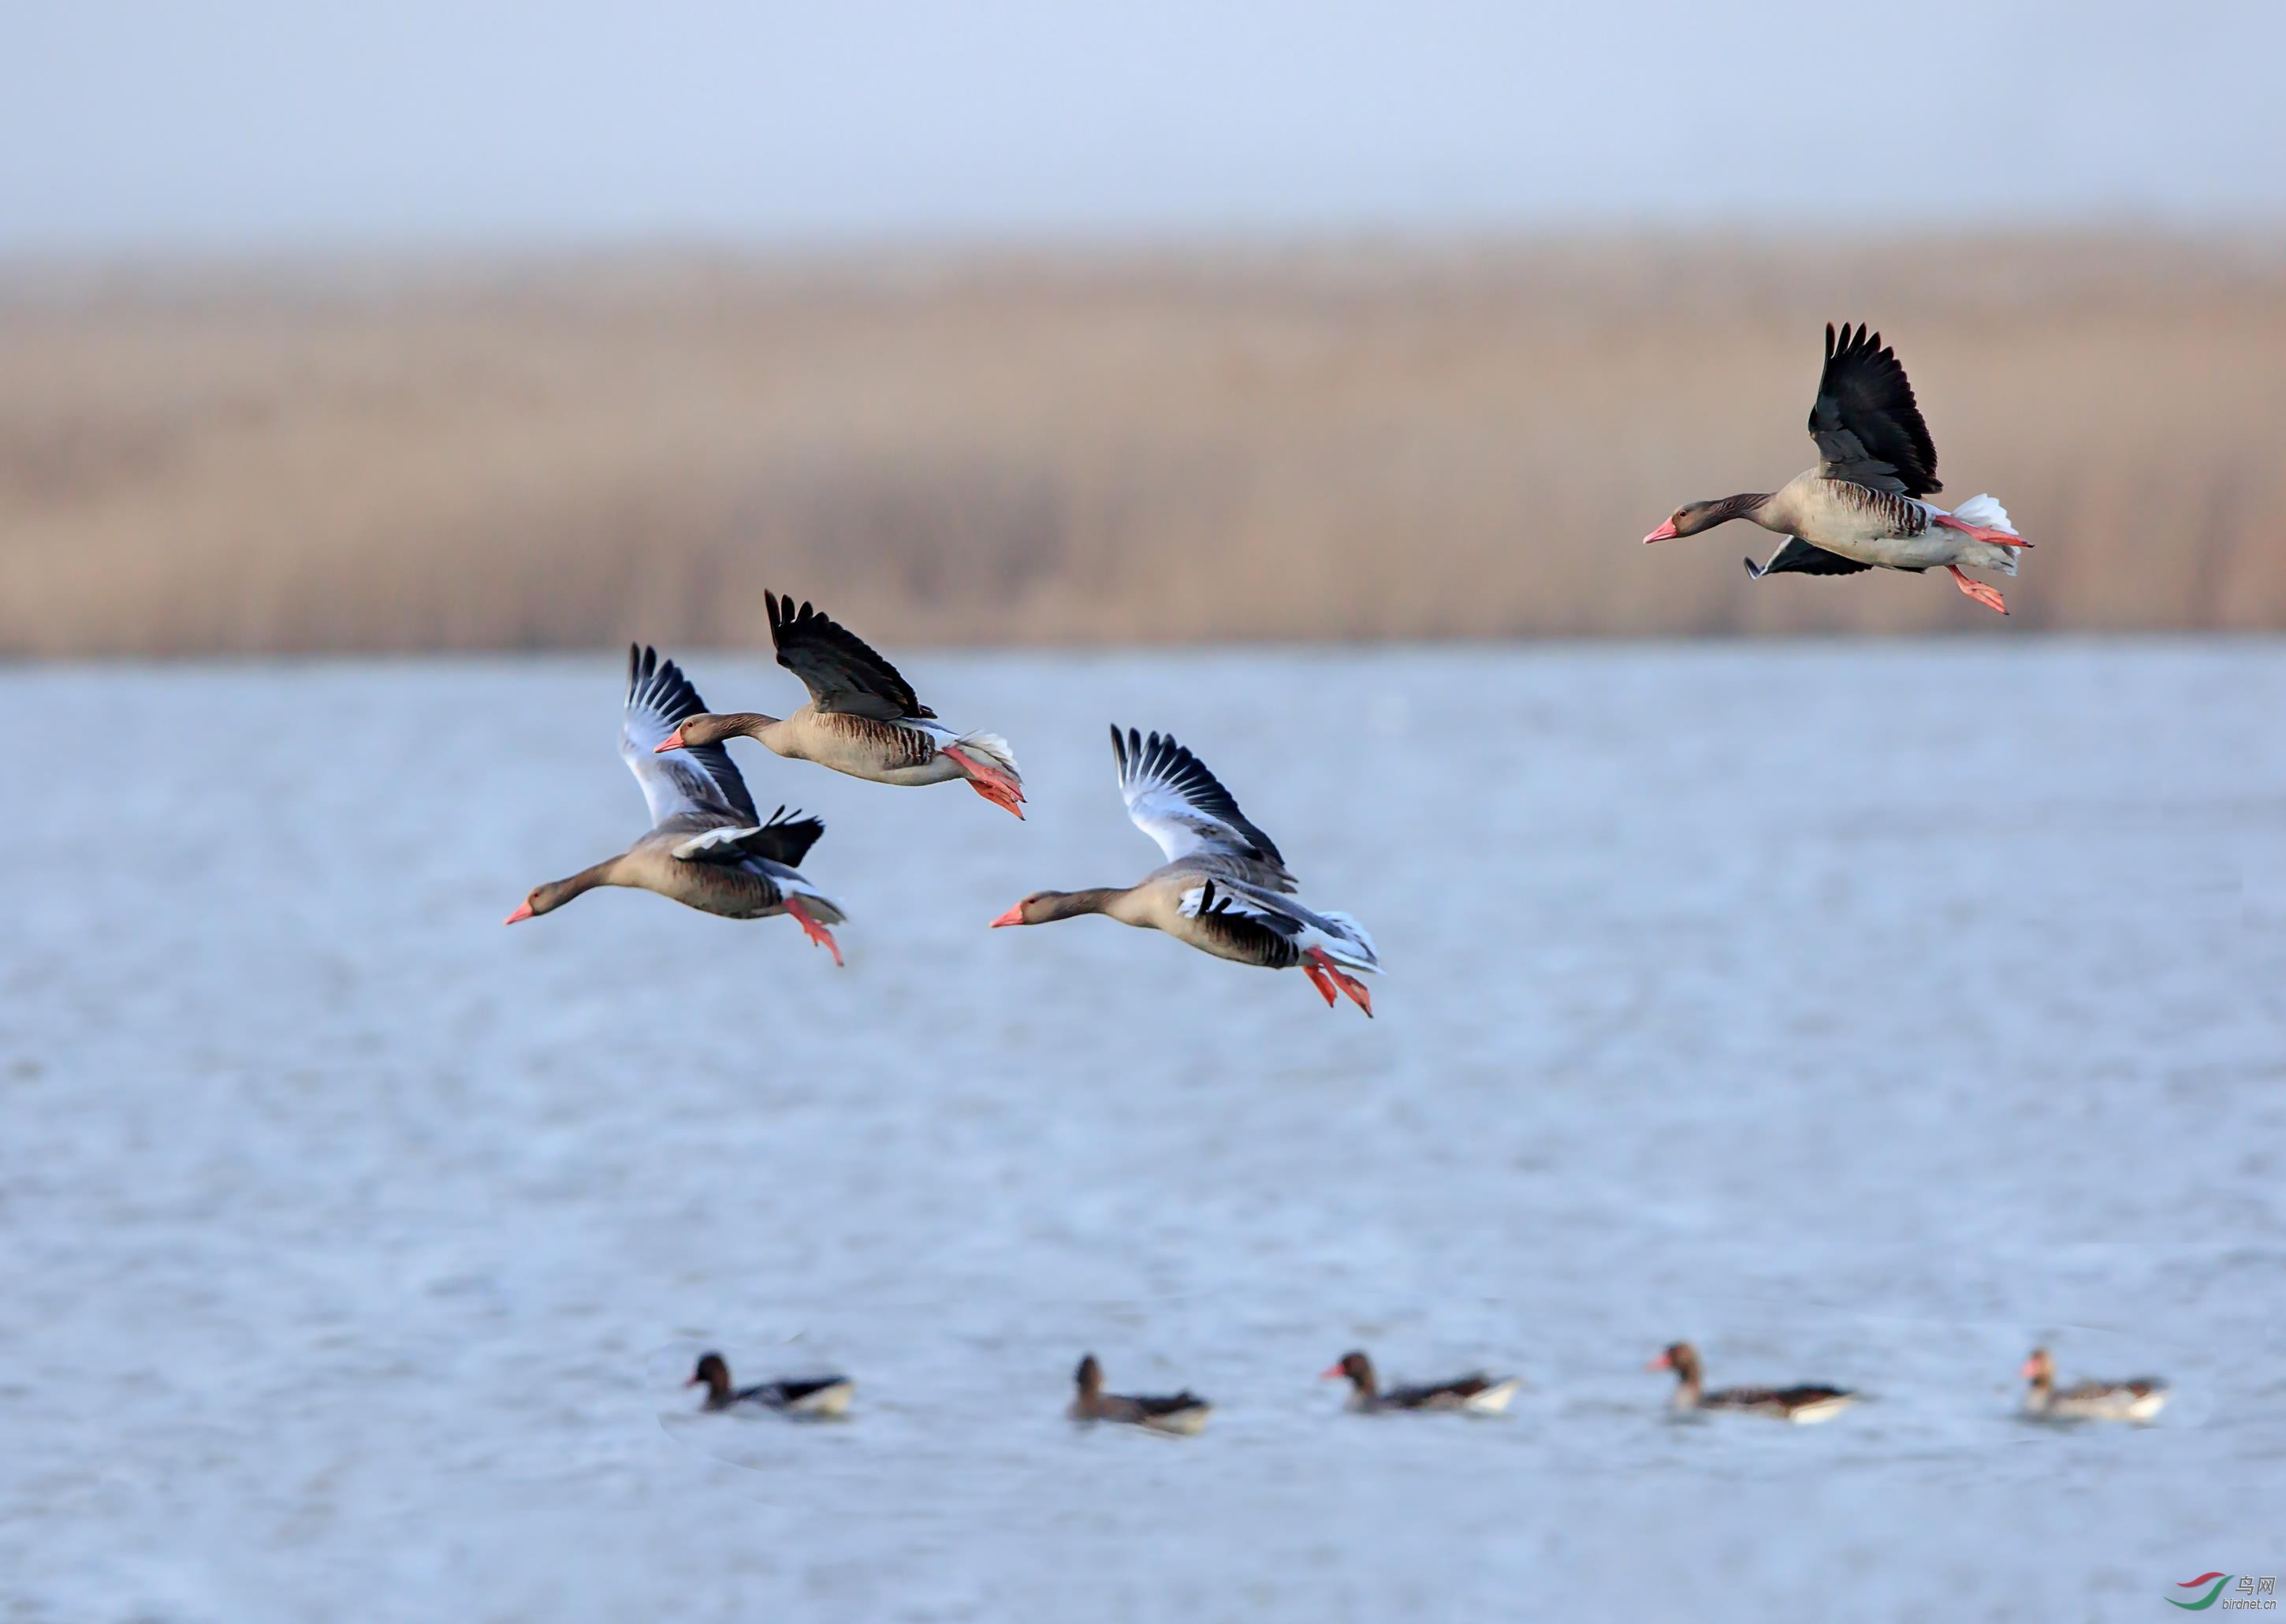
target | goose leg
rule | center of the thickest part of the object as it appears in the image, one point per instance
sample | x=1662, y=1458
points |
x=989, y=782
x=811, y=929
x=1318, y=980
x=1978, y=589
x=1999, y=537
x=1318, y=964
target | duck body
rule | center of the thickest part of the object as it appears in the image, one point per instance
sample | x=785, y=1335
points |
x=1804, y=1404
x=1182, y=1414
x=863, y=717
x=1200, y=903
x=2138, y=1399
x=808, y=1397
x=1475, y=1393
x=1878, y=529
x=753, y=888
x=905, y=750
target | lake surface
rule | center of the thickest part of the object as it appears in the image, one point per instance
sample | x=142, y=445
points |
x=1865, y=1014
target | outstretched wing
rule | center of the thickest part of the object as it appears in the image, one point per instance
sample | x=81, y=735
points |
x=840, y=670
x=1867, y=426
x=1796, y=556
x=704, y=780
x=1177, y=802
x=782, y=840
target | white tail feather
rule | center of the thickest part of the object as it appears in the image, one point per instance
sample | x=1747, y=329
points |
x=993, y=748
x=1984, y=512
x=1358, y=951
x=821, y=907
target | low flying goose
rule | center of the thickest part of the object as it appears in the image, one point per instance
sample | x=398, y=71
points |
x=1861, y=507
x=2139, y=1400
x=1475, y=1392
x=1224, y=888
x=707, y=848
x=863, y=717
x=1183, y=1413
x=807, y=1396
x=1802, y=1405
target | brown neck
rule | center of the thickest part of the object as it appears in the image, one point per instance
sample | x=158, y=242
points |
x=558, y=892
x=1744, y=506
x=712, y=727
x=1686, y=1378
x=1071, y=904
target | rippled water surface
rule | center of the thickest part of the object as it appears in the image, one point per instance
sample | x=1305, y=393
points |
x=1865, y=1014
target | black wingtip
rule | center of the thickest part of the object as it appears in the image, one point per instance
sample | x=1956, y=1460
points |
x=1752, y=572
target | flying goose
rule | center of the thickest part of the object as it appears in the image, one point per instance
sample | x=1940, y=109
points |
x=1475, y=1392
x=863, y=717
x=1224, y=888
x=1802, y=1405
x=2139, y=1400
x=807, y=1396
x=707, y=848
x=1861, y=507
x=1183, y=1413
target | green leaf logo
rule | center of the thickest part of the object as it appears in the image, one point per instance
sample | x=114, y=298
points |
x=2204, y=1602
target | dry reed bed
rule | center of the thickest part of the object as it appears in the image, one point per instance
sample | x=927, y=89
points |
x=1326, y=443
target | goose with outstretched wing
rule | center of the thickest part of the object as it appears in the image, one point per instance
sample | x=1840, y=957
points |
x=1224, y=889
x=1863, y=506
x=708, y=849
x=863, y=717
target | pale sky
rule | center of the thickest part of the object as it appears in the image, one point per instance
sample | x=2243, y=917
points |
x=231, y=125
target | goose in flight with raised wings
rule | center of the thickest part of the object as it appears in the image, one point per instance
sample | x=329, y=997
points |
x=1224, y=888
x=1861, y=508
x=863, y=717
x=707, y=848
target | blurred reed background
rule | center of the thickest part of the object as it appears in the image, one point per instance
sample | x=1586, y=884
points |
x=1400, y=440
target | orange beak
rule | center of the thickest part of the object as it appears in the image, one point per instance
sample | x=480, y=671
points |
x=1330, y=1372
x=673, y=741
x=523, y=911
x=2032, y=1368
x=1665, y=532
x=1015, y=916
x=1663, y=1362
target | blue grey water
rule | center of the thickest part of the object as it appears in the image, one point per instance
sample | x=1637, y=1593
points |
x=1865, y=1012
